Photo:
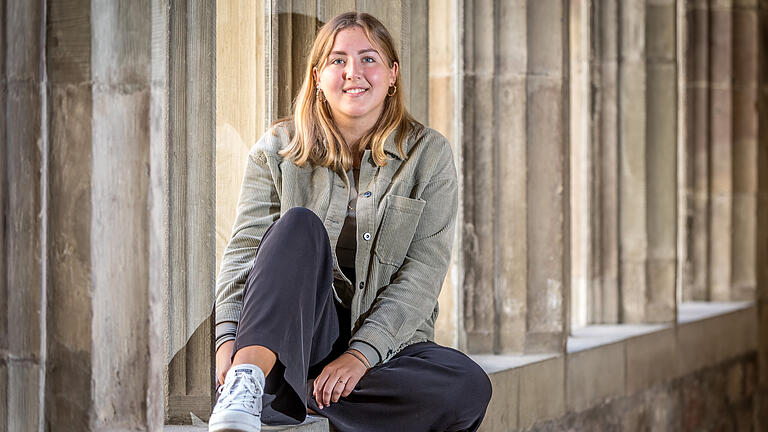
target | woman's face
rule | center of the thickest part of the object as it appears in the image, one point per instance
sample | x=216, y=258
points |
x=355, y=79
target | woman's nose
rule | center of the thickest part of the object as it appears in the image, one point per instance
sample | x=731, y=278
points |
x=352, y=71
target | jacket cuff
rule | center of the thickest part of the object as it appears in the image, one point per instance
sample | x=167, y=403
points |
x=225, y=331
x=380, y=340
x=366, y=350
x=229, y=311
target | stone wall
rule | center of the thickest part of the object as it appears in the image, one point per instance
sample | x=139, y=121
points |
x=718, y=398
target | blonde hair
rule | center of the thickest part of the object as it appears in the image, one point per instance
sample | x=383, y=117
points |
x=316, y=138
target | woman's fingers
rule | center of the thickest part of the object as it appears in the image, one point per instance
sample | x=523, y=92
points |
x=330, y=385
x=351, y=384
x=340, y=388
x=224, y=360
x=319, y=385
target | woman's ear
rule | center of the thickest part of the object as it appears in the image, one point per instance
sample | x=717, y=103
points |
x=314, y=75
x=393, y=73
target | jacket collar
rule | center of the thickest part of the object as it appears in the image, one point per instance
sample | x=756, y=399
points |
x=390, y=145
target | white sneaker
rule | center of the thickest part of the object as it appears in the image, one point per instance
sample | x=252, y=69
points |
x=238, y=407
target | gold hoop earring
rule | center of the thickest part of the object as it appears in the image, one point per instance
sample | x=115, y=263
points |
x=393, y=91
x=319, y=95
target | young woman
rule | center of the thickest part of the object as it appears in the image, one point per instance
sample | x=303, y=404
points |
x=327, y=296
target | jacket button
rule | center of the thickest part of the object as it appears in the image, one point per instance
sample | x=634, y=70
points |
x=367, y=236
x=361, y=285
x=367, y=194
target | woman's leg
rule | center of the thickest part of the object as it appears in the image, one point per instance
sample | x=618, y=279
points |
x=425, y=387
x=289, y=316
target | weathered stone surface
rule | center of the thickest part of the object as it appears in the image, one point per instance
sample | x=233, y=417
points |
x=594, y=375
x=650, y=360
x=713, y=399
x=68, y=41
x=23, y=395
x=502, y=411
x=546, y=218
x=112, y=25
x=542, y=391
x=478, y=174
x=68, y=373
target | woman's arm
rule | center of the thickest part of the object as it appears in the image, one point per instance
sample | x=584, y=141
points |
x=257, y=208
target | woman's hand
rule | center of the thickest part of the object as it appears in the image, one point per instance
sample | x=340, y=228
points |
x=223, y=361
x=338, y=379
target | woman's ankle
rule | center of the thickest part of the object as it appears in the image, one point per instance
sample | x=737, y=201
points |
x=257, y=355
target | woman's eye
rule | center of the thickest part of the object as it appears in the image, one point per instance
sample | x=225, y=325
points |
x=368, y=60
x=337, y=61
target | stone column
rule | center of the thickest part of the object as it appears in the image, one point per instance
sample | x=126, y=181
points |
x=68, y=392
x=190, y=190
x=548, y=245
x=761, y=229
x=582, y=199
x=22, y=375
x=445, y=118
x=745, y=141
x=120, y=237
x=479, y=256
x=721, y=142
x=647, y=178
x=515, y=145
x=661, y=25
x=697, y=136
x=603, y=259
x=3, y=221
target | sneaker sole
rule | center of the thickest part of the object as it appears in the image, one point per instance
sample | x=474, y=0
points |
x=233, y=427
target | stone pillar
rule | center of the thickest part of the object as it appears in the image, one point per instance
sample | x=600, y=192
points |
x=515, y=145
x=548, y=245
x=721, y=142
x=745, y=151
x=761, y=229
x=479, y=255
x=603, y=259
x=444, y=117
x=697, y=133
x=661, y=145
x=647, y=178
x=3, y=222
x=70, y=376
x=120, y=236
x=582, y=198
x=240, y=113
x=22, y=372
x=190, y=190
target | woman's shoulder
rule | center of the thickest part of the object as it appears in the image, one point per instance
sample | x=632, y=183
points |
x=277, y=137
x=425, y=140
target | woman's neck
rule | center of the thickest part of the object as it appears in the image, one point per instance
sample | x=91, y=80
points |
x=352, y=139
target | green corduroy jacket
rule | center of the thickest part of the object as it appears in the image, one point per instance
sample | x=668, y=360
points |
x=406, y=217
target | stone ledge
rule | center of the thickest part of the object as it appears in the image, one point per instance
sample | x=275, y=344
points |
x=311, y=424
x=611, y=361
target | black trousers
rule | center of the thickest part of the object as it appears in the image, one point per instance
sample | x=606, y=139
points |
x=289, y=307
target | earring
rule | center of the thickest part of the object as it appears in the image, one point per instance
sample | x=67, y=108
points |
x=394, y=90
x=319, y=95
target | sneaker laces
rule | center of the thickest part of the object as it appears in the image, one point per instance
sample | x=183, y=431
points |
x=242, y=391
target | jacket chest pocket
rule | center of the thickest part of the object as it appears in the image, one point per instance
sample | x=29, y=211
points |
x=398, y=225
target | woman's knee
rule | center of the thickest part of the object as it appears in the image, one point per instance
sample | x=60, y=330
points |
x=300, y=216
x=300, y=225
x=470, y=390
